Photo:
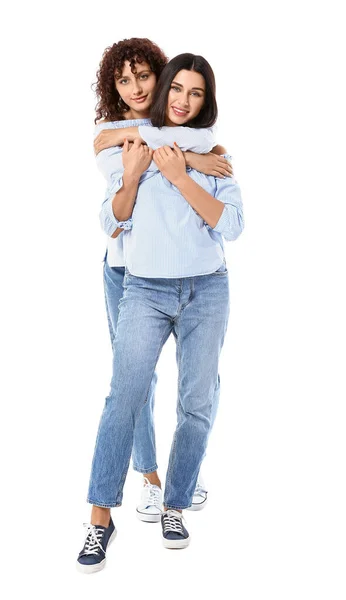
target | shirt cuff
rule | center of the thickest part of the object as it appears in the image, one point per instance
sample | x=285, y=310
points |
x=111, y=223
x=223, y=222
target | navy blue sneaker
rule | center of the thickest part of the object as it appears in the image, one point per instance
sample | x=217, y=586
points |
x=174, y=534
x=93, y=556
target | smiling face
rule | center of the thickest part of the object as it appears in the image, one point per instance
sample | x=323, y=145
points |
x=136, y=89
x=185, y=98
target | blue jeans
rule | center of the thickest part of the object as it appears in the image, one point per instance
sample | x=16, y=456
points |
x=144, y=458
x=196, y=310
x=144, y=448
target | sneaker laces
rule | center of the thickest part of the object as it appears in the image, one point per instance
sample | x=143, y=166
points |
x=92, y=543
x=153, y=493
x=172, y=522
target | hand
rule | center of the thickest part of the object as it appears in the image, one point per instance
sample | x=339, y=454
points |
x=106, y=139
x=170, y=162
x=137, y=158
x=210, y=164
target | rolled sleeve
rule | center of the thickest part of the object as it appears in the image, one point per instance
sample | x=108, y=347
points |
x=231, y=221
x=200, y=141
x=109, y=222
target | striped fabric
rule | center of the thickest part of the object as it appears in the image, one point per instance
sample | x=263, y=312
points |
x=165, y=236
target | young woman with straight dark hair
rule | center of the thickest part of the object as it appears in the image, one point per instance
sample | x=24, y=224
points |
x=175, y=281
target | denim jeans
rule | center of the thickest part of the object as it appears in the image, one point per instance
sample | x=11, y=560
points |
x=195, y=310
x=144, y=449
x=144, y=459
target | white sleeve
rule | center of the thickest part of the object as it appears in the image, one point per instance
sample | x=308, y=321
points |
x=187, y=138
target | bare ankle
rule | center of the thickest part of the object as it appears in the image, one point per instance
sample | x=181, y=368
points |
x=153, y=478
x=100, y=516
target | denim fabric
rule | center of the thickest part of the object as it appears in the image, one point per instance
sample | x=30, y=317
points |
x=144, y=458
x=196, y=310
x=144, y=449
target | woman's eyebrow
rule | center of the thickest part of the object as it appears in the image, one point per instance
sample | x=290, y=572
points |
x=136, y=74
x=194, y=88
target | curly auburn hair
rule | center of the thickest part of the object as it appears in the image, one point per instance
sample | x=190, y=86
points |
x=110, y=106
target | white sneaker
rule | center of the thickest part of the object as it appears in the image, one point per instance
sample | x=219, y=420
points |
x=150, y=506
x=200, y=496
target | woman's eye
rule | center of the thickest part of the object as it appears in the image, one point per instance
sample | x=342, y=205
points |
x=123, y=81
x=144, y=76
x=196, y=94
x=176, y=89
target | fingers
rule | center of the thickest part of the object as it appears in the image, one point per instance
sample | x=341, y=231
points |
x=160, y=153
x=222, y=159
x=223, y=163
x=126, y=145
x=177, y=149
x=166, y=150
x=157, y=158
x=98, y=143
x=137, y=143
x=225, y=169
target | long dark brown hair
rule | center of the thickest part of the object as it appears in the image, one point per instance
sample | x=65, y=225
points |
x=189, y=62
x=110, y=106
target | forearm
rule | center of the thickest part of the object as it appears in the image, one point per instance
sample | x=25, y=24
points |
x=124, y=199
x=208, y=207
x=188, y=155
x=131, y=133
x=116, y=210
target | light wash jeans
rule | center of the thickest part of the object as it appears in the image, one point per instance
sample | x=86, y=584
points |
x=196, y=310
x=144, y=459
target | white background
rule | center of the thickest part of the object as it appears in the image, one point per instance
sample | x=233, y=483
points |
x=275, y=524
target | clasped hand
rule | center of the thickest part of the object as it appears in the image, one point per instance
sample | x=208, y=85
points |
x=136, y=158
x=171, y=163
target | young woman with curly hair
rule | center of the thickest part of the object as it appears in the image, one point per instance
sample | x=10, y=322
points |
x=137, y=160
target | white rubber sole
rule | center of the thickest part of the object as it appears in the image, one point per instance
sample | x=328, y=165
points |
x=176, y=544
x=146, y=518
x=99, y=566
x=199, y=506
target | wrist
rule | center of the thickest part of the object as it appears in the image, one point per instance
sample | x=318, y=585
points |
x=131, y=134
x=180, y=181
x=187, y=156
x=130, y=176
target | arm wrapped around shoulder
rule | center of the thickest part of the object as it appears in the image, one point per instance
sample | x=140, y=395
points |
x=200, y=141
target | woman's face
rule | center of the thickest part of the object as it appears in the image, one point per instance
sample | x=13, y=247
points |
x=185, y=98
x=136, y=89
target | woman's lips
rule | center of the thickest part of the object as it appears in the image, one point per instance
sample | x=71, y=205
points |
x=139, y=100
x=179, y=112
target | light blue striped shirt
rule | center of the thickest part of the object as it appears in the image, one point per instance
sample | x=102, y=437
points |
x=165, y=237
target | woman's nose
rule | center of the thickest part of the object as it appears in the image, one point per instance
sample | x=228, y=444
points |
x=137, y=88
